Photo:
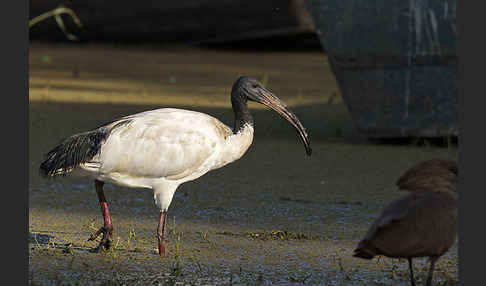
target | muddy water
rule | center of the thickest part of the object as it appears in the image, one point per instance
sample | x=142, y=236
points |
x=273, y=217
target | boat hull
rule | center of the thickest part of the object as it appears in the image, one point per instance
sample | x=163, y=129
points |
x=395, y=63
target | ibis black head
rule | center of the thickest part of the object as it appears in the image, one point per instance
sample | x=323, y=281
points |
x=246, y=88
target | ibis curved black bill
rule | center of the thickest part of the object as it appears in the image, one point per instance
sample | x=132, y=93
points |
x=267, y=98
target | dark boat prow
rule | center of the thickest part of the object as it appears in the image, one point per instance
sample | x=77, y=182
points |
x=395, y=63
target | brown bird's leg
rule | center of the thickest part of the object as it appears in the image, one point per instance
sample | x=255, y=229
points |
x=433, y=259
x=412, y=280
x=161, y=232
x=107, y=228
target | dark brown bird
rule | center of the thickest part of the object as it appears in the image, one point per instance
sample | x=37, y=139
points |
x=420, y=224
x=428, y=175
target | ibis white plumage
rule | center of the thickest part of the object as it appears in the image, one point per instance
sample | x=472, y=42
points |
x=161, y=149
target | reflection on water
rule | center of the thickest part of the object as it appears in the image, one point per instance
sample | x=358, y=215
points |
x=183, y=76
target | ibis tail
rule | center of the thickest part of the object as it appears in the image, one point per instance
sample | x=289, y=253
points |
x=73, y=151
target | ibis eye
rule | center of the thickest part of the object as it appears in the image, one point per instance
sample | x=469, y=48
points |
x=254, y=85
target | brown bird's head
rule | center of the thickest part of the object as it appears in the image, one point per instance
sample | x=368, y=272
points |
x=430, y=175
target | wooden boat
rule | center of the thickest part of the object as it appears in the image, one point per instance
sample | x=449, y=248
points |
x=395, y=63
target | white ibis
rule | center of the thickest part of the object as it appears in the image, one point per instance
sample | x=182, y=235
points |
x=161, y=149
x=420, y=224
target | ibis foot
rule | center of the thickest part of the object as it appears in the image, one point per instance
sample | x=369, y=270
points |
x=107, y=228
x=107, y=240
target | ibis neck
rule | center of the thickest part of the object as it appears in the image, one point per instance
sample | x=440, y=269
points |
x=242, y=114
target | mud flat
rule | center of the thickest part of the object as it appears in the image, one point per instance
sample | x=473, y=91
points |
x=273, y=217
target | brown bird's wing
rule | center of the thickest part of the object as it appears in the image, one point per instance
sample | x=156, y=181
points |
x=419, y=224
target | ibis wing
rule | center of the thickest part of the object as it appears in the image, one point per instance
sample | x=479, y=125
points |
x=168, y=143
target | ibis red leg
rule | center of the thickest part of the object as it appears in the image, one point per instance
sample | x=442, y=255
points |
x=107, y=228
x=161, y=232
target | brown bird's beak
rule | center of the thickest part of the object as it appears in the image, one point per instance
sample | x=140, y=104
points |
x=267, y=98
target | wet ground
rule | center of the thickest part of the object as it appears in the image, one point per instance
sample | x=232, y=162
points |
x=274, y=217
